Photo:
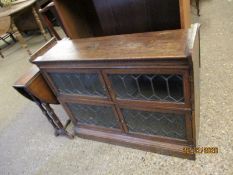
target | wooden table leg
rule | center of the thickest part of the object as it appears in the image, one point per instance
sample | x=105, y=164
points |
x=60, y=130
x=39, y=23
x=19, y=37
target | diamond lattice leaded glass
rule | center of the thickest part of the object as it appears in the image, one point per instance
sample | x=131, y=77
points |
x=155, y=123
x=94, y=115
x=78, y=83
x=167, y=88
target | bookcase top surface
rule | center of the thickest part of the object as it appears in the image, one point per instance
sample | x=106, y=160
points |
x=139, y=46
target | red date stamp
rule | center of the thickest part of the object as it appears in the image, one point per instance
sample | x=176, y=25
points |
x=200, y=150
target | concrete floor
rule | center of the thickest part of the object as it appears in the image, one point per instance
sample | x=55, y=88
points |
x=27, y=144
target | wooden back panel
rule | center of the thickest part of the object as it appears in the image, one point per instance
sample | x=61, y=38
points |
x=88, y=18
x=133, y=16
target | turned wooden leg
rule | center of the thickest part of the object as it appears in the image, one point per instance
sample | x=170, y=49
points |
x=39, y=23
x=60, y=130
x=19, y=37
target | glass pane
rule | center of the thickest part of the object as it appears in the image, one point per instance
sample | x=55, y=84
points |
x=78, y=83
x=155, y=123
x=94, y=115
x=167, y=88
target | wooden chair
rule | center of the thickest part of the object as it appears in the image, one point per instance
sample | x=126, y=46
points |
x=47, y=21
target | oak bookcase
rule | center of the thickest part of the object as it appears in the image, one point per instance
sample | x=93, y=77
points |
x=139, y=90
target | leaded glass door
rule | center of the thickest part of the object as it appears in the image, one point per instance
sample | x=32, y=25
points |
x=146, y=99
x=155, y=123
x=78, y=82
x=84, y=96
x=97, y=116
x=148, y=85
x=138, y=102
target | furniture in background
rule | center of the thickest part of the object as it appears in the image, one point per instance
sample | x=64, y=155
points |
x=47, y=21
x=92, y=18
x=51, y=13
x=17, y=9
x=8, y=26
x=6, y=31
x=33, y=86
x=5, y=24
x=126, y=90
x=7, y=35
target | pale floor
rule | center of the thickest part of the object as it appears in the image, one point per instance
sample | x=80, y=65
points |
x=27, y=144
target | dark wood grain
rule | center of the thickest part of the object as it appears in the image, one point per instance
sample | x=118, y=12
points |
x=131, y=16
x=73, y=16
x=143, y=46
x=87, y=18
